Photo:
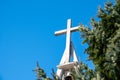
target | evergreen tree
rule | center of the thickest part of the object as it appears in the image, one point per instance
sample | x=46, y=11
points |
x=82, y=72
x=40, y=73
x=104, y=41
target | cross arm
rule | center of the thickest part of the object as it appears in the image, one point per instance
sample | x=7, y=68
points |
x=64, y=31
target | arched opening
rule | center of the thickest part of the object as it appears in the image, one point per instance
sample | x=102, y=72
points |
x=68, y=78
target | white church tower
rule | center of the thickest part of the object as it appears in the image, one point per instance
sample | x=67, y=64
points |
x=65, y=63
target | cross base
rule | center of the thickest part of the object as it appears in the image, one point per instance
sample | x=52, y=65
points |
x=67, y=66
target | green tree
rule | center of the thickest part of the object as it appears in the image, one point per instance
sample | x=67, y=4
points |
x=41, y=75
x=82, y=72
x=104, y=41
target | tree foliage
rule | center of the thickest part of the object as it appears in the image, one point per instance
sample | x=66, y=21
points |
x=83, y=72
x=41, y=75
x=104, y=41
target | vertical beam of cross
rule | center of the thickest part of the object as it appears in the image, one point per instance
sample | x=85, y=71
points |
x=68, y=39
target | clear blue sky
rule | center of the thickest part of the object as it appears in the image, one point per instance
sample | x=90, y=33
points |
x=27, y=34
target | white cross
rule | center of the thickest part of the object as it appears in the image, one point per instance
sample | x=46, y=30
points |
x=69, y=50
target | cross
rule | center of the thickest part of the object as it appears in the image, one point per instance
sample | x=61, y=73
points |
x=69, y=50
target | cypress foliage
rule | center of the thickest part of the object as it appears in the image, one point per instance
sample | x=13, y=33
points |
x=104, y=41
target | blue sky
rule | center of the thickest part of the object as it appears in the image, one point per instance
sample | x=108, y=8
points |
x=27, y=34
